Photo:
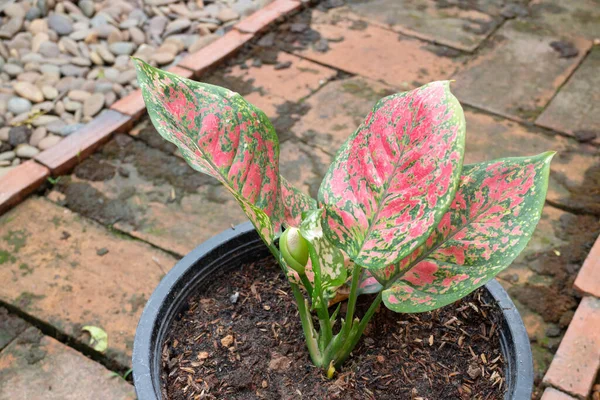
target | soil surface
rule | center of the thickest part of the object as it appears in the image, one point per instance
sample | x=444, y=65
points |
x=241, y=338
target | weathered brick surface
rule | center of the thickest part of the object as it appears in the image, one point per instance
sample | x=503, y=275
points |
x=337, y=110
x=82, y=143
x=588, y=279
x=155, y=196
x=379, y=54
x=35, y=366
x=262, y=18
x=10, y=325
x=574, y=367
x=576, y=108
x=69, y=272
x=215, y=52
x=267, y=87
x=521, y=55
x=451, y=25
x=19, y=182
x=553, y=394
x=489, y=138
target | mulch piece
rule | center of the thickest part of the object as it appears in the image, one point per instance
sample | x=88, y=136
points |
x=241, y=338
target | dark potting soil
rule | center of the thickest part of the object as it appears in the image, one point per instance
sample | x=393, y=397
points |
x=241, y=338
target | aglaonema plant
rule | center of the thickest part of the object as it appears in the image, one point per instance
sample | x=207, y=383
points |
x=397, y=215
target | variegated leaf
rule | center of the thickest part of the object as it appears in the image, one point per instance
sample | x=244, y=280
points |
x=368, y=284
x=294, y=203
x=495, y=211
x=222, y=135
x=327, y=261
x=394, y=178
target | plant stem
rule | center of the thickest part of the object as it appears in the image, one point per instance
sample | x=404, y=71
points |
x=351, y=300
x=357, y=333
x=307, y=326
x=307, y=285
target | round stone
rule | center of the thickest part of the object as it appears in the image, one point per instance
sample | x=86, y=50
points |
x=122, y=48
x=12, y=69
x=48, y=141
x=60, y=24
x=49, y=49
x=18, y=105
x=19, y=135
x=79, y=95
x=7, y=156
x=38, y=26
x=26, y=151
x=15, y=10
x=33, y=13
x=227, y=14
x=29, y=91
x=163, y=58
x=93, y=105
x=87, y=7
x=49, y=92
x=37, y=135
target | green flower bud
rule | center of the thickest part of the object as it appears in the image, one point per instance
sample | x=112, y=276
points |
x=294, y=249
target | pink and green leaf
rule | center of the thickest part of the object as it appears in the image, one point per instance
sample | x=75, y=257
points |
x=327, y=261
x=222, y=135
x=496, y=209
x=395, y=177
x=295, y=202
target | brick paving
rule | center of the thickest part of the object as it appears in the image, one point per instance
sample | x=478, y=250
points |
x=525, y=74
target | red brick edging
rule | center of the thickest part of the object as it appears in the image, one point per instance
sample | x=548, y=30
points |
x=24, y=179
x=577, y=361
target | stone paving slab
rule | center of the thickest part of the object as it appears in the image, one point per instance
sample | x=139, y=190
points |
x=269, y=85
x=489, y=138
x=10, y=326
x=68, y=272
x=576, y=108
x=378, y=53
x=149, y=193
x=35, y=366
x=520, y=72
x=572, y=17
x=459, y=26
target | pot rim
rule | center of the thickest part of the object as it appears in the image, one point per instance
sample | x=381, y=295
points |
x=172, y=291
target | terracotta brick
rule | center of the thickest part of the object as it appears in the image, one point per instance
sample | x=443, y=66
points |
x=35, y=366
x=82, y=143
x=11, y=326
x=588, y=279
x=553, y=394
x=19, y=182
x=379, y=54
x=133, y=104
x=576, y=108
x=272, y=87
x=68, y=272
x=262, y=18
x=574, y=367
x=208, y=56
x=451, y=25
x=521, y=54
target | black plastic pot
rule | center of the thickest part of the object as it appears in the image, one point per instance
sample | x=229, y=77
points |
x=241, y=244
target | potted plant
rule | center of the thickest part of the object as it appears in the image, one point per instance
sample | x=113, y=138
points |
x=398, y=216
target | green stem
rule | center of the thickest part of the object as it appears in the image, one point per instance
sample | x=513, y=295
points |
x=351, y=343
x=307, y=285
x=351, y=300
x=307, y=326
